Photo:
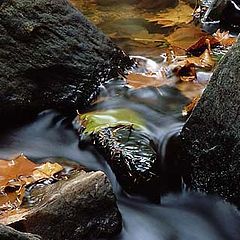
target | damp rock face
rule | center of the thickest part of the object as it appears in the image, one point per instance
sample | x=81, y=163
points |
x=211, y=136
x=132, y=157
x=8, y=233
x=82, y=207
x=224, y=12
x=51, y=56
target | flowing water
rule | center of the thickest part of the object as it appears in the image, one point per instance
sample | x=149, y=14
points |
x=182, y=214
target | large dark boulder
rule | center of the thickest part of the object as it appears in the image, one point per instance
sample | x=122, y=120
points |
x=8, y=233
x=82, y=207
x=51, y=56
x=224, y=14
x=211, y=136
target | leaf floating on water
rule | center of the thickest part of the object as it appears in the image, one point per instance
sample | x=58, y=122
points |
x=224, y=38
x=189, y=108
x=137, y=80
x=174, y=16
x=187, y=37
x=205, y=42
x=16, y=174
x=186, y=73
x=93, y=122
x=15, y=168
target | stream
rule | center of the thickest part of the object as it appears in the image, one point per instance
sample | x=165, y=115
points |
x=182, y=214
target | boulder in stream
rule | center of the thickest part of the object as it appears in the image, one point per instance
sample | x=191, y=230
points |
x=82, y=207
x=120, y=135
x=211, y=136
x=224, y=14
x=8, y=233
x=51, y=56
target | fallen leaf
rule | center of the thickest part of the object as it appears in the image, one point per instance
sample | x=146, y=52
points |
x=16, y=174
x=185, y=37
x=205, y=42
x=203, y=61
x=138, y=80
x=183, y=13
x=186, y=73
x=189, y=108
x=224, y=38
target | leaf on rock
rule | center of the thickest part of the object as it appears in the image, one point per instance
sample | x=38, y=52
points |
x=183, y=13
x=93, y=122
x=16, y=174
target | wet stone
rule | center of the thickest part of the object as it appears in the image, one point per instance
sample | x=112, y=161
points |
x=81, y=207
x=8, y=233
x=51, y=56
x=131, y=154
x=211, y=136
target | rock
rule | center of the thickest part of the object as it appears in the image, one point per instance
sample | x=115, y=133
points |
x=121, y=137
x=133, y=158
x=51, y=56
x=82, y=207
x=8, y=233
x=224, y=14
x=211, y=136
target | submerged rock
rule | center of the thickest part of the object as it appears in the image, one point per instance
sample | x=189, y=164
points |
x=8, y=233
x=211, y=136
x=82, y=207
x=51, y=56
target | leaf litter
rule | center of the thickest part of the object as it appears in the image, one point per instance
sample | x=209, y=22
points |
x=18, y=173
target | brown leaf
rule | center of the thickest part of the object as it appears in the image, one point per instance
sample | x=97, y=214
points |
x=186, y=73
x=202, y=44
x=137, y=80
x=189, y=108
x=203, y=61
x=185, y=37
x=16, y=174
x=183, y=13
x=224, y=38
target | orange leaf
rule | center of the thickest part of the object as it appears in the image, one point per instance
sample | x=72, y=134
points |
x=16, y=174
x=137, y=80
x=224, y=38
